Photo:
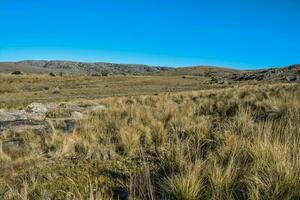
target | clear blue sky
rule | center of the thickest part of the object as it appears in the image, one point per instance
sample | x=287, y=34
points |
x=240, y=34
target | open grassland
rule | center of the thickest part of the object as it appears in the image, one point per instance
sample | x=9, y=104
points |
x=231, y=143
x=16, y=91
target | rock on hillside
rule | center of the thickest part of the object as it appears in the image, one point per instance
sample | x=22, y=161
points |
x=284, y=74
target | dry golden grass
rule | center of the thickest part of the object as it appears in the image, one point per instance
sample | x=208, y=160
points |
x=232, y=143
x=17, y=91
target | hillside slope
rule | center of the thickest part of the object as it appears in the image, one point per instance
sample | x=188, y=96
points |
x=78, y=68
x=199, y=71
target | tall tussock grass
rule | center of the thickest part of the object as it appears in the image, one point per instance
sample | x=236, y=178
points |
x=235, y=143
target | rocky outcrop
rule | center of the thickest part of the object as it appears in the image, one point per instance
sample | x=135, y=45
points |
x=36, y=117
x=247, y=77
x=33, y=117
x=288, y=74
x=21, y=115
x=292, y=78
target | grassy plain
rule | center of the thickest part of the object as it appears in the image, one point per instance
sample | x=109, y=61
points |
x=157, y=142
x=21, y=90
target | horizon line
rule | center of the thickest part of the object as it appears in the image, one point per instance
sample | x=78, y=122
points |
x=149, y=65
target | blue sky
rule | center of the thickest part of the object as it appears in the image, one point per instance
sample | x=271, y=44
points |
x=232, y=33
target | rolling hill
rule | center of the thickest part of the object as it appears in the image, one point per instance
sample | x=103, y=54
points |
x=217, y=74
x=77, y=68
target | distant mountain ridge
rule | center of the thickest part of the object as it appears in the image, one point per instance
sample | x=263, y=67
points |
x=291, y=72
x=78, y=68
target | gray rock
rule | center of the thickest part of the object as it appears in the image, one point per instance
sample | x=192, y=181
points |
x=13, y=116
x=22, y=126
x=34, y=117
x=37, y=108
x=20, y=115
x=6, y=116
x=291, y=78
x=247, y=77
